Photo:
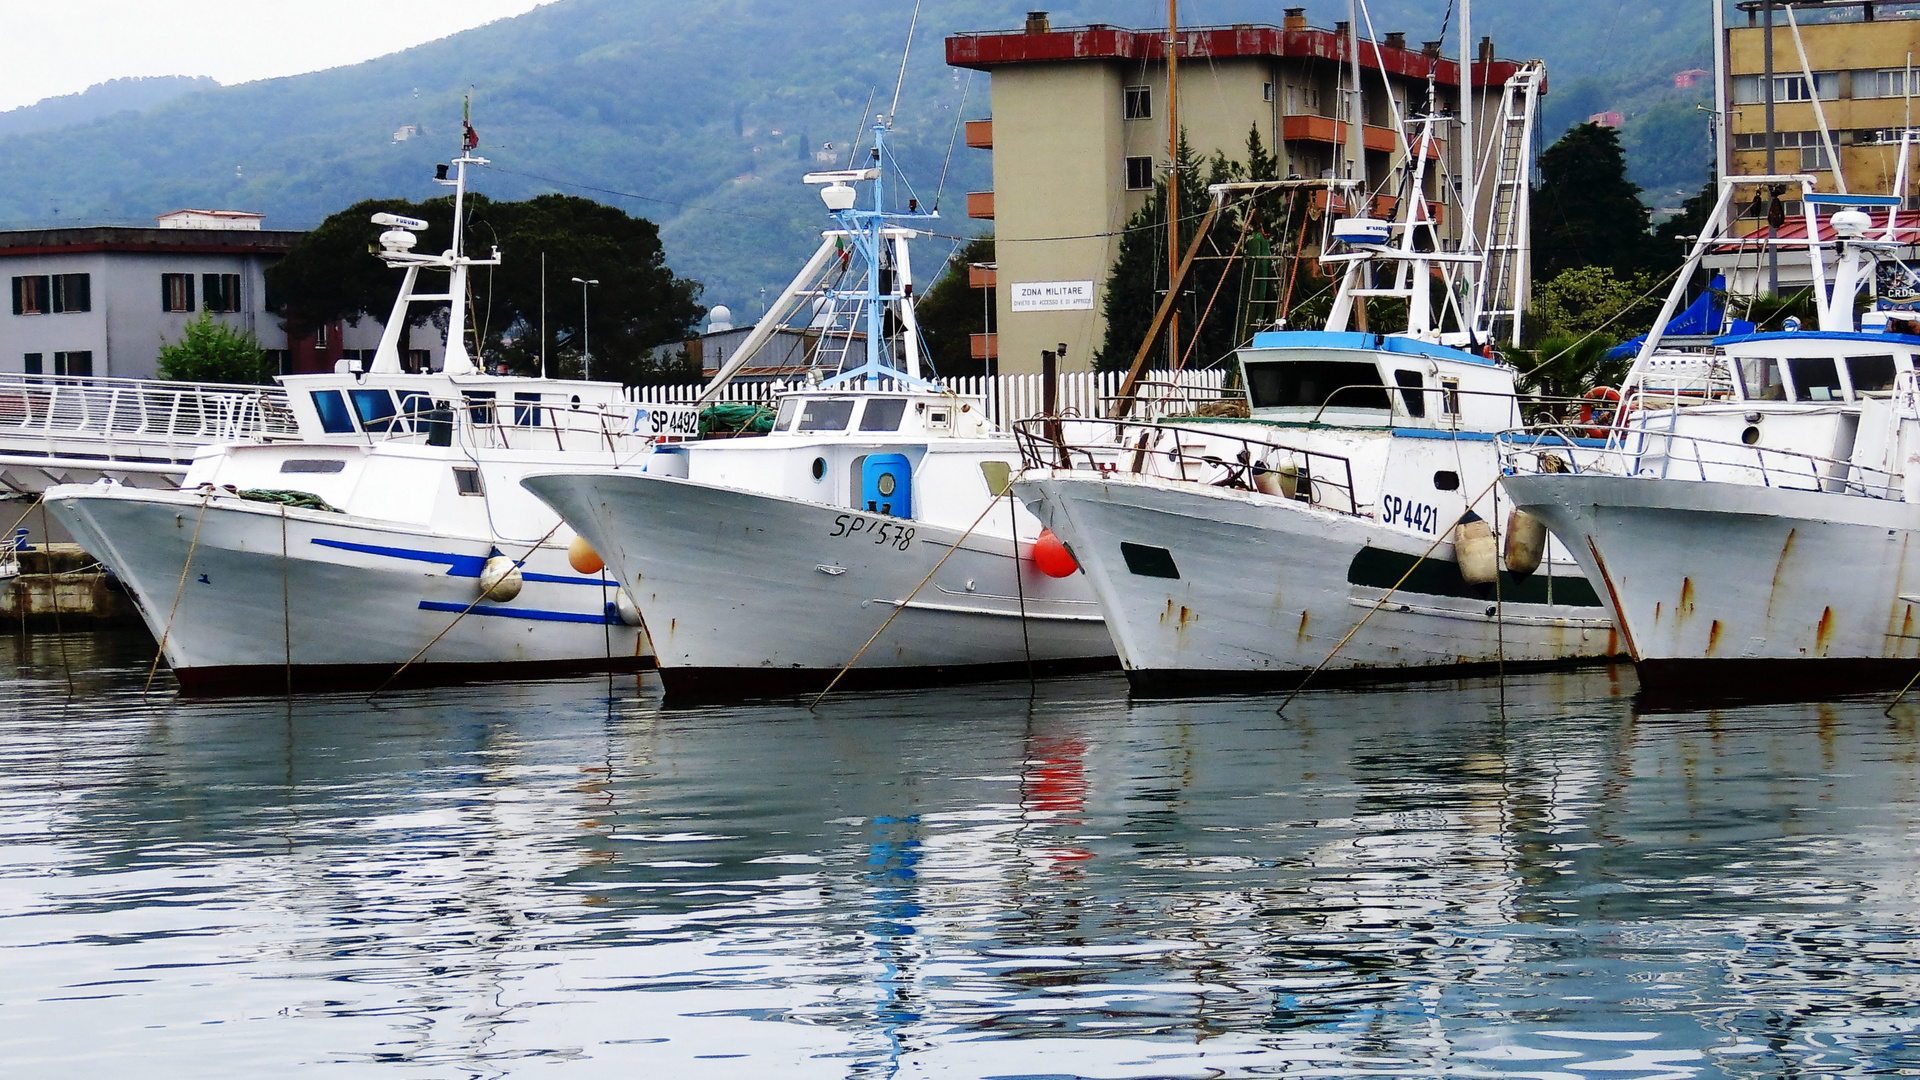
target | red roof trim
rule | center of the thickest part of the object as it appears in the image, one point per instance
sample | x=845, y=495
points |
x=984, y=51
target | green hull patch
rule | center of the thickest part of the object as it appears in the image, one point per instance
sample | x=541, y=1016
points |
x=1378, y=568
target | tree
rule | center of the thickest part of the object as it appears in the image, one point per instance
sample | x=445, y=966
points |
x=952, y=311
x=211, y=351
x=1593, y=300
x=638, y=305
x=1585, y=211
x=1138, y=279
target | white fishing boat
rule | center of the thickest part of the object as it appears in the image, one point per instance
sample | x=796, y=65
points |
x=392, y=533
x=1349, y=524
x=1758, y=542
x=766, y=565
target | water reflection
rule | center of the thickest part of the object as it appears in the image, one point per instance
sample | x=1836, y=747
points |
x=976, y=882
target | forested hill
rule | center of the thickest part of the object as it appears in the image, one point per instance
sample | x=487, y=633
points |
x=710, y=109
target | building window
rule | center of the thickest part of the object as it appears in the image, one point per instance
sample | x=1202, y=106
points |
x=1751, y=89
x=320, y=336
x=1139, y=173
x=73, y=363
x=221, y=292
x=1885, y=83
x=72, y=292
x=1266, y=92
x=1814, y=158
x=1139, y=102
x=31, y=363
x=31, y=295
x=419, y=360
x=176, y=292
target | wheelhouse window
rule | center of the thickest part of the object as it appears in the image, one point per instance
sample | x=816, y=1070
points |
x=221, y=292
x=1412, y=392
x=1815, y=378
x=526, y=410
x=176, y=292
x=480, y=406
x=783, y=420
x=826, y=414
x=374, y=408
x=1312, y=384
x=1871, y=374
x=334, y=418
x=883, y=414
x=1760, y=379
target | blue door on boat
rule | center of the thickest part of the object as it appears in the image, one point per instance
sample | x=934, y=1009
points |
x=886, y=485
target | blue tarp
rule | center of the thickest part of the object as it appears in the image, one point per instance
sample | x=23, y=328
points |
x=1703, y=318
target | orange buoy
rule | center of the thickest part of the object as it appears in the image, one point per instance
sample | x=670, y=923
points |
x=1052, y=556
x=582, y=557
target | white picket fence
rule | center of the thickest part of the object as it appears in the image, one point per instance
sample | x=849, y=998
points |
x=1008, y=397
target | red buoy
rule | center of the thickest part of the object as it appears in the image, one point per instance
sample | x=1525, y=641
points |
x=1052, y=556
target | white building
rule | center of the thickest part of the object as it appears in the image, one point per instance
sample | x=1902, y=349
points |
x=101, y=300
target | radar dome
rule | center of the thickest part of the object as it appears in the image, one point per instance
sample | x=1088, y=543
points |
x=720, y=318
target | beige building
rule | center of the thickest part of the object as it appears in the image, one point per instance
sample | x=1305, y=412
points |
x=1079, y=135
x=1860, y=54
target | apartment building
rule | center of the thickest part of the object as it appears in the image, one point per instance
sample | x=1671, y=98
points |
x=1079, y=135
x=100, y=301
x=1862, y=58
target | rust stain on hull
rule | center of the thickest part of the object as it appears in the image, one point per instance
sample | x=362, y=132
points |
x=1685, y=607
x=1823, y=635
x=1300, y=636
x=1613, y=594
x=1713, y=637
x=1779, y=566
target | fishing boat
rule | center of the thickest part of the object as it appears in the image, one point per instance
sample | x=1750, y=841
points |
x=869, y=532
x=392, y=533
x=1350, y=522
x=1759, y=541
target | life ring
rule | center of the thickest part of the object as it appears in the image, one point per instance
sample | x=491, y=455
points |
x=1598, y=408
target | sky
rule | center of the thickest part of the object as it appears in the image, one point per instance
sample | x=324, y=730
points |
x=61, y=48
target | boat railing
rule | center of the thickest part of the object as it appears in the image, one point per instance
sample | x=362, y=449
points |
x=1667, y=455
x=69, y=415
x=613, y=427
x=1210, y=456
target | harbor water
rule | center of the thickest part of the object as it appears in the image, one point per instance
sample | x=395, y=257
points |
x=996, y=881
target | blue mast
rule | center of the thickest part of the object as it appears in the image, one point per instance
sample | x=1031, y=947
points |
x=871, y=231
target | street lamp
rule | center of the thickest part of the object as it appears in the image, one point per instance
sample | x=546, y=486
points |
x=586, y=339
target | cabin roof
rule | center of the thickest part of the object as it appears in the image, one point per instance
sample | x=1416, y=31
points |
x=1325, y=339
x=1868, y=337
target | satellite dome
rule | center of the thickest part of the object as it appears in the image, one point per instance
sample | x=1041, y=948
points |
x=720, y=318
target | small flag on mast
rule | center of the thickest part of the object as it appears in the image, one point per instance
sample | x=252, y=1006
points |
x=471, y=139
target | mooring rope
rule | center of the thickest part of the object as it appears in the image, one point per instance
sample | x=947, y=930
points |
x=205, y=498
x=1019, y=580
x=902, y=606
x=1388, y=595
x=521, y=561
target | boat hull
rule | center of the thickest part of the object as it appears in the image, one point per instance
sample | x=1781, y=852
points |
x=351, y=601
x=1208, y=589
x=748, y=595
x=1738, y=591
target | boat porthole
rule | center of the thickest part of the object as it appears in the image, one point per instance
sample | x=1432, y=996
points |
x=819, y=468
x=1446, y=480
x=885, y=484
x=1750, y=436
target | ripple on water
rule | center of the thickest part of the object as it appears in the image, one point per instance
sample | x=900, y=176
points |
x=976, y=882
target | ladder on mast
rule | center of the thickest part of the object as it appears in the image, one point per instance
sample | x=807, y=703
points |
x=1501, y=293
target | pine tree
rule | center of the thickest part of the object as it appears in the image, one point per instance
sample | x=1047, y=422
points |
x=1138, y=279
x=1585, y=211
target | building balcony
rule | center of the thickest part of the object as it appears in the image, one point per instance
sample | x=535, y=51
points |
x=982, y=275
x=980, y=205
x=1325, y=129
x=980, y=134
x=986, y=346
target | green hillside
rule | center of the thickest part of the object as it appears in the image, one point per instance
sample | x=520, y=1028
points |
x=708, y=110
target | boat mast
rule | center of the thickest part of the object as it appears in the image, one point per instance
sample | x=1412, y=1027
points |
x=1468, y=155
x=1722, y=156
x=1173, y=180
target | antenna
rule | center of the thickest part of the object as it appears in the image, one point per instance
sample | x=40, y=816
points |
x=904, y=53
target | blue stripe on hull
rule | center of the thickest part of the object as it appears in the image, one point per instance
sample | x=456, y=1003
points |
x=457, y=565
x=530, y=614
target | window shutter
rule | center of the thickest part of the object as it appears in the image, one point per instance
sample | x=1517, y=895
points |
x=18, y=307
